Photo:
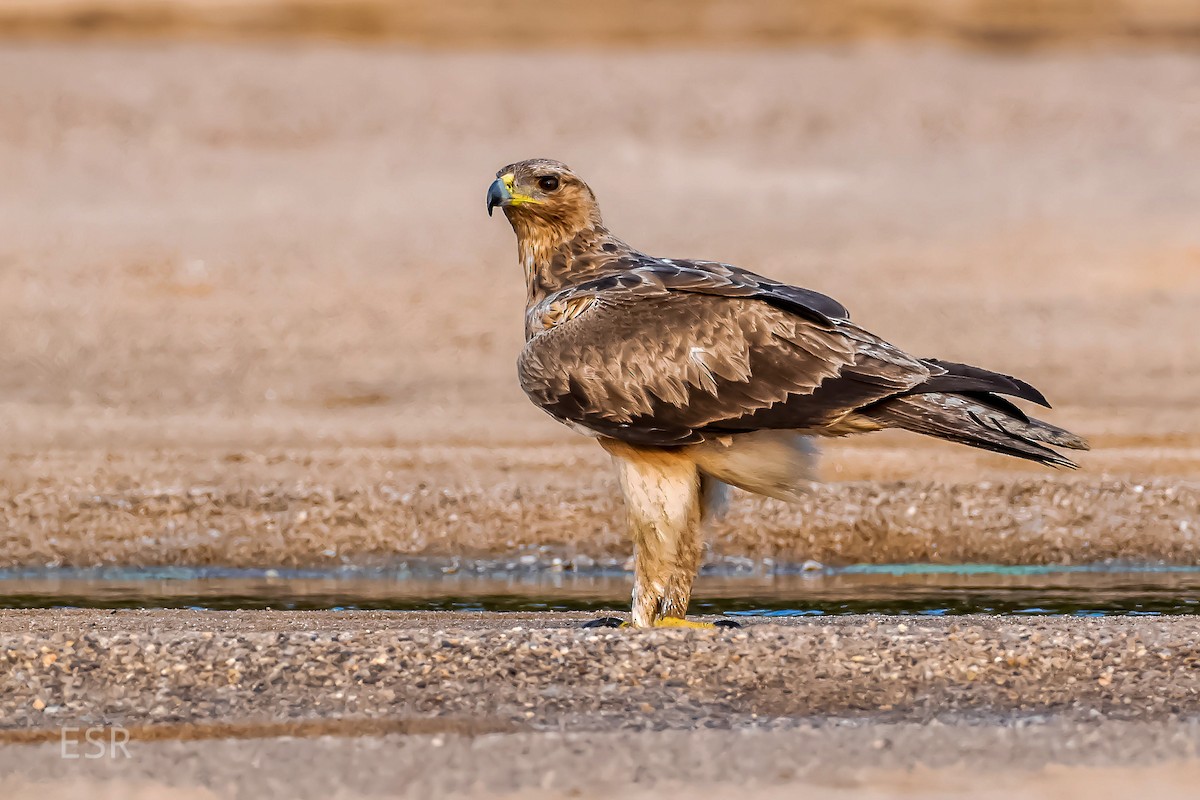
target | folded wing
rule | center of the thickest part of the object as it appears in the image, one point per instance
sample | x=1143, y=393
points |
x=673, y=355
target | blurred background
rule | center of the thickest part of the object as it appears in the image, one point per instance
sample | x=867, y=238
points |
x=245, y=267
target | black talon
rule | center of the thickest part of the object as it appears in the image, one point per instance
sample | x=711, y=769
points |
x=727, y=623
x=604, y=622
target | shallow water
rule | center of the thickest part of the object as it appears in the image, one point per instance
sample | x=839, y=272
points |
x=781, y=590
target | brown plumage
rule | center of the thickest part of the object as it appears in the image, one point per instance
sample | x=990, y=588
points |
x=693, y=370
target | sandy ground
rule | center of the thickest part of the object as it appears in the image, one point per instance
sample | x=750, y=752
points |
x=1015, y=24
x=253, y=311
x=832, y=761
x=433, y=705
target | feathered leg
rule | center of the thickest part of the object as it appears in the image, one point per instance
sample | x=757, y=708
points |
x=664, y=502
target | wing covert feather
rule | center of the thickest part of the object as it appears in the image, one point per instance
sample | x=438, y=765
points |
x=655, y=364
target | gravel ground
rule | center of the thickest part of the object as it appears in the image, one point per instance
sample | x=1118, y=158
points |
x=322, y=704
x=1031, y=521
x=193, y=668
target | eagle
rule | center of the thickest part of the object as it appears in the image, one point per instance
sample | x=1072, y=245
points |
x=698, y=375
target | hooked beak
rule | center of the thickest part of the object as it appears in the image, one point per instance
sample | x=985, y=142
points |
x=500, y=192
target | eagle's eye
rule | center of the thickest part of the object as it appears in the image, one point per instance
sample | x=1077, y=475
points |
x=548, y=183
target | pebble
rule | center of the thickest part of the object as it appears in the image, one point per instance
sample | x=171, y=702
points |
x=176, y=667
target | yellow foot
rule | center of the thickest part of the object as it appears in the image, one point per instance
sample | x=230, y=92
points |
x=665, y=622
x=680, y=622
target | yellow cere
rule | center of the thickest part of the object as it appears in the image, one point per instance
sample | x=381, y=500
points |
x=517, y=199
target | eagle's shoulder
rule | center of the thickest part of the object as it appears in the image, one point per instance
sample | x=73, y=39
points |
x=629, y=276
x=714, y=277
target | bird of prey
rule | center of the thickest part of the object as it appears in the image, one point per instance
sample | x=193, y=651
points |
x=695, y=374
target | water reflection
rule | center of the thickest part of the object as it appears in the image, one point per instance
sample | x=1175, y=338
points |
x=889, y=589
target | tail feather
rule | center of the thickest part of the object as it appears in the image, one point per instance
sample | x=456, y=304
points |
x=978, y=422
x=969, y=379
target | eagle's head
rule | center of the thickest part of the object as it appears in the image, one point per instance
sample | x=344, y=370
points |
x=541, y=196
